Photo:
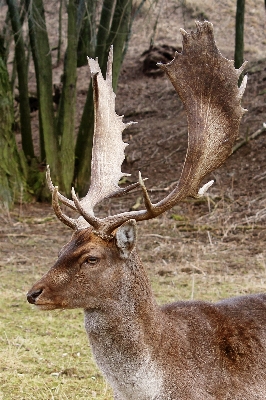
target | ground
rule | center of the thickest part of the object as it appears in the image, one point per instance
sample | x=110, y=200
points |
x=203, y=249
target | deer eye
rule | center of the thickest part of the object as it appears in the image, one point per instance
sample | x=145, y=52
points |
x=89, y=261
x=92, y=260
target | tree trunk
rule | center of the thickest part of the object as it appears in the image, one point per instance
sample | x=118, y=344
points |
x=59, y=45
x=67, y=105
x=12, y=176
x=103, y=31
x=86, y=31
x=117, y=36
x=123, y=10
x=57, y=137
x=43, y=70
x=239, y=36
x=25, y=123
x=84, y=143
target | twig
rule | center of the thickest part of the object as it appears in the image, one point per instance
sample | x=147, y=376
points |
x=192, y=286
x=159, y=236
x=253, y=136
x=169, y=155
x=209, y=237
x=260, y=177
x=166, y=189
x=198, y=269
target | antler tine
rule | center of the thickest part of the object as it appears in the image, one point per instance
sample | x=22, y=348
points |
x=147, y=201
x=109, y=69
x=242, y=88
x=72, y=223
x=51, y=187
x=122, y=191
x=93, y=221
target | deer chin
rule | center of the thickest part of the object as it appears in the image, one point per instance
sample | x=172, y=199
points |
x=46, y=306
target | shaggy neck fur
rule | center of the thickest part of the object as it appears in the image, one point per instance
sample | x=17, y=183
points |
x=123, y=339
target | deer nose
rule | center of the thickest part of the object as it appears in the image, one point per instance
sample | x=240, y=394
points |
x=32, y=296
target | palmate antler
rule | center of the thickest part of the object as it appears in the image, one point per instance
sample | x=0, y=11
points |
x=207, y=84
x=107, y=153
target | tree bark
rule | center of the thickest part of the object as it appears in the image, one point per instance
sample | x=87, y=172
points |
x=59, y=45
x=103, y=31
x=121, y=38
x=13, y=185
x=43, y=70
x=57, y=138
x=67, y=105
x=86, y=31
x=25, y=123
x=239, y=33
x=83, y=150
x=117, y=36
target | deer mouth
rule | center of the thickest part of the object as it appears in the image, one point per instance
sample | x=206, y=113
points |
x=35, y=297
x=46, y=306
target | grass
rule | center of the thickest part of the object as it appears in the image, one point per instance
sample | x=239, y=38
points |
x=46, y=355
x=43, y=355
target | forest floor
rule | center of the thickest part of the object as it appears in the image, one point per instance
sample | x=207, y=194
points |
x=205, y=249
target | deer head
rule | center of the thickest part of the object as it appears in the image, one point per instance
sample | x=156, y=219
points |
x=87, y=271
x=99, y=269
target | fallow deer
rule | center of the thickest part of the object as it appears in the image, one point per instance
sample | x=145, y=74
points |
x=191, y=350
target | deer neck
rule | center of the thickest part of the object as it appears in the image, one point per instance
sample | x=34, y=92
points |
x=123, y=335
x=132, y=305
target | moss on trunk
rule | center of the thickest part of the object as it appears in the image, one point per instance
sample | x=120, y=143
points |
x=13, y=167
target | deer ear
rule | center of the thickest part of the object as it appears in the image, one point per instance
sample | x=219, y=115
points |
x=126, y=236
